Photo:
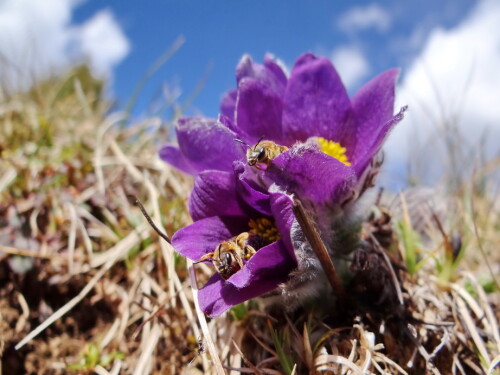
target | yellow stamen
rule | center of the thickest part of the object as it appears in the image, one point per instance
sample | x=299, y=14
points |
x=334, y=149
x=264, y=228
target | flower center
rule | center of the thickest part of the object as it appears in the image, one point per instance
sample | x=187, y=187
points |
x=334, y=149
x=265, y=228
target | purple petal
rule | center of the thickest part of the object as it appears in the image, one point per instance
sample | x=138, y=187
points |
x=312, y=175
x=316, y=102
x=249, y=189
x=210, y=297
x=217, y=296
x=281, y=206
x=205, y=235
x=258, y=110
x=175, y=157
x=364, y=158
x=268, y=73
x=271, y=259
x=271, y=64
x=228, y=104
x=207, y=144
x=228, y=123
x=246, y=67
x=268, y=268
x=373, y=105
x=214, y=194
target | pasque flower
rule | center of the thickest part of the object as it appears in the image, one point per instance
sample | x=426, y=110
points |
x=221, y=212
x=312, y=104
x=329, y=160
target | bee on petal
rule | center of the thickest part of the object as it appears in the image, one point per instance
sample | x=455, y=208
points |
x=262, y=154
x=229, y=256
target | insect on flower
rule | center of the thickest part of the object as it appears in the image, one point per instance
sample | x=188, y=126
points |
x=229, y=255
x=263, y=153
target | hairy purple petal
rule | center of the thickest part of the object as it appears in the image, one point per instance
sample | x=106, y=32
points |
x=316, y=102
x=373, y=105
x=204, y=235
x=175, y=157
x=281, y=206
x=312, y=175
x=228, y=123
x=369, y=152
x=271, y=64
x=258, y=111
x=268, y=74
x=217, y=296
x=250, y=191
x=207, y=144
x=228, y=104
x=269, y=260
x=214, y=194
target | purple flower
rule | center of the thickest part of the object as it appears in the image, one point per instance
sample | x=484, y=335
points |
x=311, y=105
x=221, y=213
x=329, y=160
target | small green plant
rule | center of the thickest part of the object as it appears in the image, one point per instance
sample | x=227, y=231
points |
x=238, y=312
x=410, y=241
x=447, y=266
x=92, y=357
x=281, y=341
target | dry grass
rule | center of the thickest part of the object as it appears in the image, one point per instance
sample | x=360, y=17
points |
x=86, y=285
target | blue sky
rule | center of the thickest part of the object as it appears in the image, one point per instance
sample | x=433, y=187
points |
x=218, y=33
x=449, y=52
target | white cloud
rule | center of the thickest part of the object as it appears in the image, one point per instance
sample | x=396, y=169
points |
x=37, y=38
x=365, y=17
x=102, y=42
x=453, y=84
x=351, y=64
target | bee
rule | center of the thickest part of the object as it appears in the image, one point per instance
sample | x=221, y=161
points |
x=262, y=154
x=228, y=256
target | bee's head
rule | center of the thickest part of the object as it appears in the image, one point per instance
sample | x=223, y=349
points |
x=223, y=262
x=224, y=259
x=256, y=154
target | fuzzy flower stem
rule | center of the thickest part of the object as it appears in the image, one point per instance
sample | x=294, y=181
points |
x=311, y=232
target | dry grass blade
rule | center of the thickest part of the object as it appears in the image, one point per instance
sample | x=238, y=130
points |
x=167, y=55
x=121, y=248
x=99, y=370
x=203, y=322
x=309, y=358
x=24, y=253
x=394, y=278
x=378, y=357
x=67, y=307
x=494, y=364
x=472, y=329
x=26, y=312
x=72, y=236
x=8, y=176
x=247, y=362
x=263, y=344
x=325, y=362
x=145, y=360
x=490, y=323
x=481, y=247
